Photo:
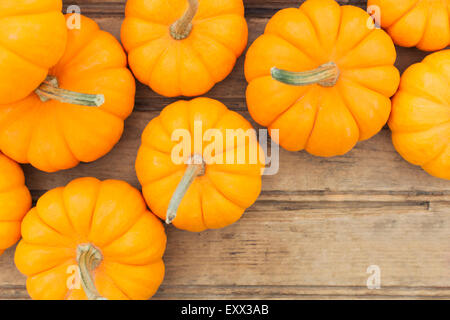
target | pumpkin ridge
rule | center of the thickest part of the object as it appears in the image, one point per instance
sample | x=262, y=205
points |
x=423, y=130
x=201, y=20
x=128, y=230
x=105, y=274
x=438, y=73
x=214, y=125
x=40, y=126
x=346, y=77
x=51, y=227
x=219, y=168
x=66, y=212
x=51, y=8
x=116, y=259
x=95, y=73
x=313, y=25
x=116, y=237
x=199, y=57
x=268, y=73
x=345, y=102
x=61, y=246
x=17, y=114
x=220, y=191
x=316, y=31
x=153, y=148
x=64, y=138
x=221, y=12
x=404, y=14
x=316, y=114
x=207, y=36
x=32, y=129
x=163, y=125
x=426, y=25
x=157, y=61
x=34, y=63
x=338, y=33
x=53, y=267
x=200, y=195
x=423, y=94
x=164, y=131
x=91, y=217
x=76, y=54
x=94, y=130
x=438, y=154
x=205, y=33
x=68, y=58
x=36, y=126
x=277, y=34
x=79, y=55
x=147, y=41
x=12, y=187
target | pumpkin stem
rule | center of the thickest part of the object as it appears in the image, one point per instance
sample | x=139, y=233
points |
x=49, y=89
x=89, y=258
x=325, y=75
x=195, y=168
x=181, y=28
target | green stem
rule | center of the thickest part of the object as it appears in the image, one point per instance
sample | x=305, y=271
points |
x=89, y=258
x=50, y=90
x=325, y=75
x=195, y=168
x=181, y=28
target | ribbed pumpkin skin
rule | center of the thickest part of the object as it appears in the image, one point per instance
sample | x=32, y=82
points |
x=15, y=201
x=188, y=67
x=424, y=24
x=110, y=215
x=420, y=119
x=219, y=197
x=325, y=121
x=54, y=136
x=32, y=40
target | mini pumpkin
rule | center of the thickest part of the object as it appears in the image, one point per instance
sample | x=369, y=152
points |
x=33, y=36
x=91, y=239
x=183, y=47
x=78, y=113
x=15, y=201
x=211, y=182
x=415, y=23
x=420, y=119
x=321, y=77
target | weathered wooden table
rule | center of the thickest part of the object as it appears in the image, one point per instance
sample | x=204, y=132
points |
x=318, y=225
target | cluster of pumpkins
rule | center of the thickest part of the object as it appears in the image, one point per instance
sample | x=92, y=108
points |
x=322, y=75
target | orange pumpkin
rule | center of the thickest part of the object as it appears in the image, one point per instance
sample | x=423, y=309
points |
x=91, y=239
x=33, y=36
x=15, y=201
x=178, y=53
x=210, y=183
x=55, y=129
x=321, y=77
x=420, y=119
x=415, y=23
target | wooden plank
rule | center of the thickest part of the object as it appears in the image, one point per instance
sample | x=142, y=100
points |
x=373, y=168
x=253, y=7
x=305, y=250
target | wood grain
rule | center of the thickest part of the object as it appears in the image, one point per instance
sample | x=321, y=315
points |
x=318, y=224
